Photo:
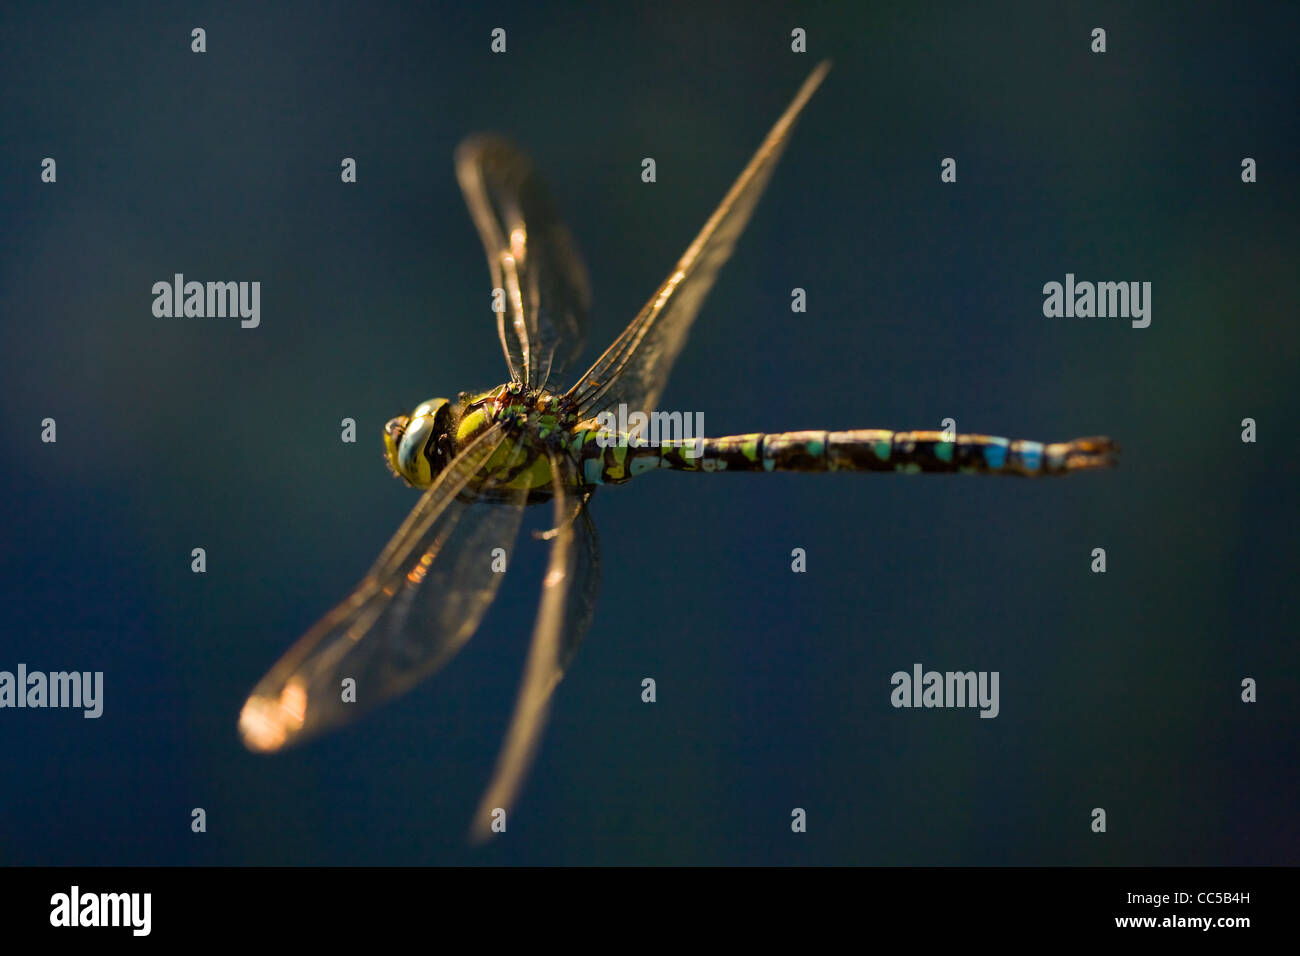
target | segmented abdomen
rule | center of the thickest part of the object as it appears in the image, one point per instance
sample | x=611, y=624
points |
x=858, y=450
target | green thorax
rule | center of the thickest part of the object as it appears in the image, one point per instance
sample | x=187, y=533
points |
x=535, y=420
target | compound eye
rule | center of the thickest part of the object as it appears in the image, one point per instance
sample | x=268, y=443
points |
x=393, y=431
x=410, y=462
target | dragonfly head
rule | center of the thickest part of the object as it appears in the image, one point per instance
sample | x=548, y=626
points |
x=418, y=446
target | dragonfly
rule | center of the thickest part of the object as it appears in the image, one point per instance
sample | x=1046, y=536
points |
x=484, y=457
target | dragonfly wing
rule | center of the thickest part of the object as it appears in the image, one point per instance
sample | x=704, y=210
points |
x=532, y=257
x=418, y=605
x=568, y=601
x=635, y=368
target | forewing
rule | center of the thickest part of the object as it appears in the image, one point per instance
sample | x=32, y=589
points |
x=568, y=602
x=635, y=368
x=531, y=256
x=418, y=605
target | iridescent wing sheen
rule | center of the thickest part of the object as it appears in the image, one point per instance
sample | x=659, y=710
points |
x=532, y=257
x=635, y=368
x=418, y=605
x=568, y=602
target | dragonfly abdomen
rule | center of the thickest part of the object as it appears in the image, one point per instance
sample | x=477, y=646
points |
x=858, y=450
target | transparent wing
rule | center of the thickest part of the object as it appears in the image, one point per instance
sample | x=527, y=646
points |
x=417, y=606
x=532, y=257
x=568, y=601
x=635, y=368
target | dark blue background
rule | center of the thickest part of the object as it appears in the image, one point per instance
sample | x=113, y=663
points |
x=924, y=301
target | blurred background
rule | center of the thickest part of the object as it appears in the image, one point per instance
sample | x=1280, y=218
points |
x=1118, y=690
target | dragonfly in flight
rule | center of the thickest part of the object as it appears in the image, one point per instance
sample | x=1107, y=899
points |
x=482, y=458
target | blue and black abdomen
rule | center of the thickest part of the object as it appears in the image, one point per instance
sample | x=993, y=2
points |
x=859, y=450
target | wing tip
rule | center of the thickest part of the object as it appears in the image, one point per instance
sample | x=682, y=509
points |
x=811, y=84
x=267, y=723
x=480, y=831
